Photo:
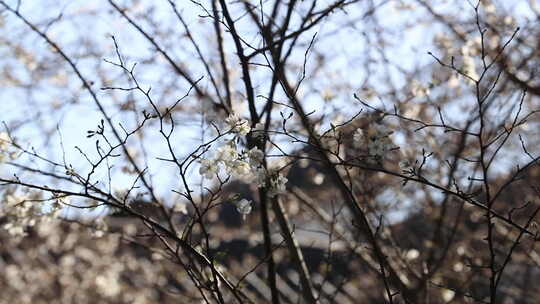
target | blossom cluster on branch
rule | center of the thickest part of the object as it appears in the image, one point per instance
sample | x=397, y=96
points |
x=22, y=212
x=246, y=165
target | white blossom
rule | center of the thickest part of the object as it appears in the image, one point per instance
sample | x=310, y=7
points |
x=239, y=168
x=238, y=125
x=20, y=214
x=244, y=207
x=208, y=168
x=227, y=154
x=241, y=165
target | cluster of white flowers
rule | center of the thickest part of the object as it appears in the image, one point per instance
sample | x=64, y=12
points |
x=241, y=164
x=23, y=213
x=208, y=168
x=238, y=164
x=238, y=125
x=244, y=165
x=20, y=213
x=376, y=138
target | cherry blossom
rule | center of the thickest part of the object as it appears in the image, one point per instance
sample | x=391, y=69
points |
x=238, y=125
x=208, y=168
x=244, y=207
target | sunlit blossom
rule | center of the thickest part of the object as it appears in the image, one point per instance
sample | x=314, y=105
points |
x=238, y=125
x=227, y=153
x=239, y=168
x=208, y=168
